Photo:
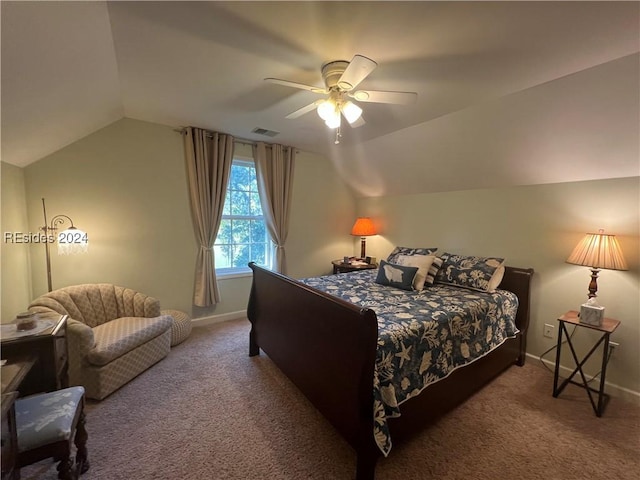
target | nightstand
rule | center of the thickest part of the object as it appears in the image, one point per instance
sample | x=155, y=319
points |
x=608, y=326
x=340, y=267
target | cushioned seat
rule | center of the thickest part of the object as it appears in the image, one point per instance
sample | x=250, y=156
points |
x=114, y=334
x=47, y=424
x=117, y=337
x=181, y=327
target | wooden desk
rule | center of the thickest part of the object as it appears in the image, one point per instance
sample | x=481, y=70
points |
x=12, y=375
x=50, y=349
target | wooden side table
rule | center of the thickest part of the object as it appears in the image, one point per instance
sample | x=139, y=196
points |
x=49, y=347
x=340, y=267
x=608, y=326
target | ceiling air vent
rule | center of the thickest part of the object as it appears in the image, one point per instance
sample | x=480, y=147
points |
x=265, y=132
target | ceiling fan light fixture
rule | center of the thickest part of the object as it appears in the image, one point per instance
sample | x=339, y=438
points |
x=351, y=111
x=326, y=109
x=334, y=120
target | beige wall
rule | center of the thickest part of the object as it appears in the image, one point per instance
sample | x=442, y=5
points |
x=126, y=186
x=15, y=278
x=535, y=226
x=322, y=215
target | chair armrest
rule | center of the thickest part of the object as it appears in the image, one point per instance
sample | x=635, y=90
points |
x=80, y=341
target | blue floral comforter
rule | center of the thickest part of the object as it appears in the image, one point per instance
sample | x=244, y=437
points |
x=423, y=336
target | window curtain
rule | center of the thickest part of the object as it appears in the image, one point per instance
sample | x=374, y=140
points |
x=274, y=172
x=208, y=157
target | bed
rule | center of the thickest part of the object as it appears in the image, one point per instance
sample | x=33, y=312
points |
x=330, y=347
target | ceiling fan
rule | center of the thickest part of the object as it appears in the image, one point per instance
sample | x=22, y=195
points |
x=340, y=79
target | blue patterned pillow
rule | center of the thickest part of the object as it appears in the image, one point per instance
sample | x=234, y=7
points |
x=468, y=271
x=397, y=276
x=393, y=256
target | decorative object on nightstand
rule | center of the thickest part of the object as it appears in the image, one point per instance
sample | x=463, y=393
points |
x=363, y=228
x=70, y=241
x=340, y=266
x=608, y=326
x=591, y=313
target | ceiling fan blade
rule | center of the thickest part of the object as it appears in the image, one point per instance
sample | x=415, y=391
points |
x=379, y=96
x=301, y=86
x=303, y=110
x=358, y=69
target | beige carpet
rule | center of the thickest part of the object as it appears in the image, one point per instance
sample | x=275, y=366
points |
x=209, y=411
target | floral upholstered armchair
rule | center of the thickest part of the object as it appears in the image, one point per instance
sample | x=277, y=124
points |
x=113, y=334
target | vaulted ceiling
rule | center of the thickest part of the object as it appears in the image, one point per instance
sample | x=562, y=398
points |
x=70, y=68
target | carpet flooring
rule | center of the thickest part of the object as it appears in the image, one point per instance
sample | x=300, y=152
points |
x=210, y=412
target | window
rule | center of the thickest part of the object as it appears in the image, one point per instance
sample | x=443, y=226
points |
x=243, y=236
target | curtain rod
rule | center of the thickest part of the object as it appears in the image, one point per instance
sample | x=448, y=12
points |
x=242, y=141
x=239, y=140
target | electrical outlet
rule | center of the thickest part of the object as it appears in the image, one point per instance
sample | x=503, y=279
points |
x=548, y=331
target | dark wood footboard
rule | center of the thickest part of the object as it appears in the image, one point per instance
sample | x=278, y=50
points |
x=327, y=347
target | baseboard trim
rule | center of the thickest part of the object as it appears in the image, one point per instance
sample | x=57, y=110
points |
x=223, y=317
x=610, y=388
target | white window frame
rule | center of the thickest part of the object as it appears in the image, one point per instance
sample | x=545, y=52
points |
x=232, y=272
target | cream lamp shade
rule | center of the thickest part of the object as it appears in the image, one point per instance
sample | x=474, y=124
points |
x=596, y=251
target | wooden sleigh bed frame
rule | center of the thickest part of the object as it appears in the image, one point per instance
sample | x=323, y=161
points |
x=327, y=348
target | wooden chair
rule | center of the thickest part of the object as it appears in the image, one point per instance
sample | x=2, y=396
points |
x=47, y=424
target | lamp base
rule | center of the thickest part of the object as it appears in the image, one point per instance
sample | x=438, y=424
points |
x=593, y=284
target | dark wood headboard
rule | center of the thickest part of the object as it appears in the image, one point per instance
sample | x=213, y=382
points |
x=518, y=281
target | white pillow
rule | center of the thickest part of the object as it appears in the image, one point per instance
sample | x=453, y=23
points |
x=495, y=280
x=423, y=262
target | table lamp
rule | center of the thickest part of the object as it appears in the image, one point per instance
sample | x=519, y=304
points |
x=363, y=228
x=596, y=251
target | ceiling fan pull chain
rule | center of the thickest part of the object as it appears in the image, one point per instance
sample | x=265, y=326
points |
x=338, y=135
